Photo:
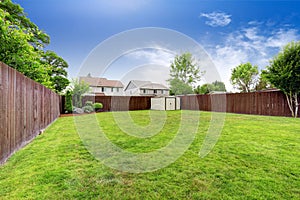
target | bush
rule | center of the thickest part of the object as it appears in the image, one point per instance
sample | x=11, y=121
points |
x=97, y=106
x=68, y=102
x=88, y=109
x=88, y=103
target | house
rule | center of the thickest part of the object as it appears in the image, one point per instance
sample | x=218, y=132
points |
x=103, y=86
x=146, y=88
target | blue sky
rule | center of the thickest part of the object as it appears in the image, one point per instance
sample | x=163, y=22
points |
x=231, y=32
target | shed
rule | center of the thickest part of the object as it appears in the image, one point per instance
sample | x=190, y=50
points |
x=165, y=103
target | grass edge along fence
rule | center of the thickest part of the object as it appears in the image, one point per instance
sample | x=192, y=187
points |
x=270, y=103
x=26, y=108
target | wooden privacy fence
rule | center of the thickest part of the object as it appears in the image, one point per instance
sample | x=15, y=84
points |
x=271, y=103
x=121, y=103
x=26, y=108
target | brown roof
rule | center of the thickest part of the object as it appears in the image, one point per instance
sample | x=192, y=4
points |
x=101, y=82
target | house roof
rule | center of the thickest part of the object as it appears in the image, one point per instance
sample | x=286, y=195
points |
x=148, y=85
x=101, y=82
x=154, y=86
x=139, y=83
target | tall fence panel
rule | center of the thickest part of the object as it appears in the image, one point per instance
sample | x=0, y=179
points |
x=121, y=103
x=271, y=103
x=26, y=108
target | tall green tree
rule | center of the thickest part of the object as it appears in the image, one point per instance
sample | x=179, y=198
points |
x=179, y=87
x=243, y=77
x=57, y=70
x=22, y=47
x=18, y=18
x=284, y=73
x=184, y=72
x=19, y=54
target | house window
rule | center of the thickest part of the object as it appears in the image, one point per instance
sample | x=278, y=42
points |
x=112, y=89
x=155, y=91
x=102, y=89
x=118, y=89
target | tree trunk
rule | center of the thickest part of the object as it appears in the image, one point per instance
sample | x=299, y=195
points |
x=296, y=105
x=289, y=98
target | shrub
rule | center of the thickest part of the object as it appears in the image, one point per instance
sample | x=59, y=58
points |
x=68, y=102
x=88, y=109
x=88, y=103
x=97, y=106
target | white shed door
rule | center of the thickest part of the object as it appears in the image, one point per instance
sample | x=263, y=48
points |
x=170, y=104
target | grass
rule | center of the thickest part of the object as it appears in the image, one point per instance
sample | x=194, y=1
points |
x=256, y=157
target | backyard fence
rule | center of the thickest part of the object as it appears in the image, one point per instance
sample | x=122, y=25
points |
x=271, y=103
x=121, y=103
x=26, y=108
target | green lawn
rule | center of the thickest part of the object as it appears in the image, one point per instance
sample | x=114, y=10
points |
x=256, y=157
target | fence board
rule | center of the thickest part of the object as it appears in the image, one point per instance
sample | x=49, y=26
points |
x=272, y=103
x=121, y=103
x=26, y=107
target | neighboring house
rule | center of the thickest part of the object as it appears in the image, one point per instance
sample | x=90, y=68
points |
x=146, y=88
x=103, y=87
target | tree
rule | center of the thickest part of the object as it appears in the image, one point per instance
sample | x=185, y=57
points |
x=68, y=102
x=78, y=88
x=184, y=73
x=57, y=72
x=284, y=73
x=22, y=46
x=205, y=88
x=219, y=86
x=263, y=82
x=19, y=54
x=179, y=87
x=197, y=89
x=210, y=87
x=244, y=77
x=18, y=19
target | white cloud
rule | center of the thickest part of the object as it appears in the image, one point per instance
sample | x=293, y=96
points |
x=152, y=56
x=151, y=64
x=281, y=37
x=253, y=43
x=250, y=44
x=215, y=19
x=149, y=72
x=252, y=34
x=254, y=22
